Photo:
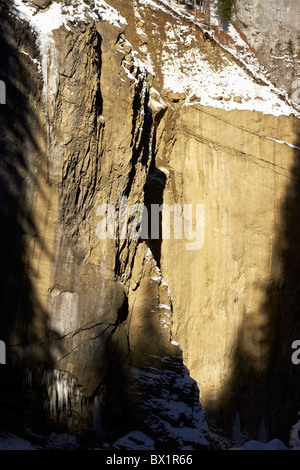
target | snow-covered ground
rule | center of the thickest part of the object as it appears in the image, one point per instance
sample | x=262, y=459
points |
x=11, y=442
x=135, y=441
x=228, y=88
x=236, y=84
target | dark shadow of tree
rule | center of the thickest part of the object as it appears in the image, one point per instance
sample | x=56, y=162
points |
x=21, y=170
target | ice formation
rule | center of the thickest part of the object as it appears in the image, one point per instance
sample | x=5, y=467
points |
x=61, y=389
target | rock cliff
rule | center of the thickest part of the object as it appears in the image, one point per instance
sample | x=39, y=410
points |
x=131, y=103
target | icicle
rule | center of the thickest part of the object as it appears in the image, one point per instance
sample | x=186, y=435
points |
x=60, y=389
x=69, y=421
x=236, y=430
x=50, y=79
x=28, y=377
x=262, y=432
x=97, y=417
x=295, y=435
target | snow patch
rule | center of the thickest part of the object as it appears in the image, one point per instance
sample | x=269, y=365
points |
x=35, y=61
x=135, y=440
x=275, y=444
x=167, y=307
x=175, y=343
x=284, y=142
x=11, y=442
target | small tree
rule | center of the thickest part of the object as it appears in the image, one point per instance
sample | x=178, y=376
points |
x=290, y=47
x=225, y=9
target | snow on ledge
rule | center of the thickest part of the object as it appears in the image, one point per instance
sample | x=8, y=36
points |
x=108, y=13
x=230, y=87
x=58, y=14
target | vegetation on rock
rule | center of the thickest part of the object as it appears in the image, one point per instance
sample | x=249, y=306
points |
x=225, y=7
